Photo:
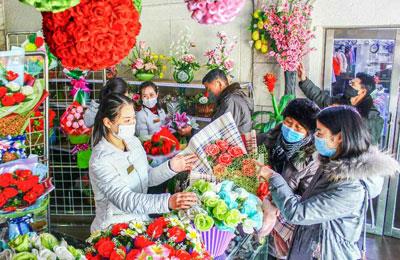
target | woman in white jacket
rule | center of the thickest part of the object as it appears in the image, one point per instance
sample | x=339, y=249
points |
x=152, y=116
x=119, y=171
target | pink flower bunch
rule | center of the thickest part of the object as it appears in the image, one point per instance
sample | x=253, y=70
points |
x=288, y=28
x=218, y=58
x=189, y=58
x=214, y=11
x=75, y=118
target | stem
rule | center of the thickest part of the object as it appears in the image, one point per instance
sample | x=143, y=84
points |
x=274, y=105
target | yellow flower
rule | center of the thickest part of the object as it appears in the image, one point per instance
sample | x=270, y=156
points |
x=255, y=35
x=257, y=45
x=161, y=75
x=256, y=14
x=260, y=25
x=264, y=48
x=164, y=67
x=162, y=56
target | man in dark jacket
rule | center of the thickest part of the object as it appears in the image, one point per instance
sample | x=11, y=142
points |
x=357, y=94
x=230, y=98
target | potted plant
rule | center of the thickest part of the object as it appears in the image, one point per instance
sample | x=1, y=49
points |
x=218, y=58
x=203, y=106
x=184, y=62
x=145, y=64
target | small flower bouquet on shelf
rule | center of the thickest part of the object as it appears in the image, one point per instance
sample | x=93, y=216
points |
x=163, y=238
x=180, y=121
x=12, y=148
x=223, y=208
x=162, y=146
x=43, y=246
x=203, y=105
x=72, y=124
x=23, y=187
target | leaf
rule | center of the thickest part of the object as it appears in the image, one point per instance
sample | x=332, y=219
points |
x=259, y=113
x=259, y=126
x=284, y=101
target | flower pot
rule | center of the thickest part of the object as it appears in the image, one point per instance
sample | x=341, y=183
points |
x=205, y=110
x=183, y=76
x=82, y=159
x=79, y=139
x=144, y=76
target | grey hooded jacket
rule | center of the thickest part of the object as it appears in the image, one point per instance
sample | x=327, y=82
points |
x=330, y=214
x=233, y=99
x=90, y=113
x=120, y=181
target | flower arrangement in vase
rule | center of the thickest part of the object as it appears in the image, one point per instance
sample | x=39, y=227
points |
x=145, y=64
x=163, y=238
x=218, y=58
x=203, y=105
x=184, y=62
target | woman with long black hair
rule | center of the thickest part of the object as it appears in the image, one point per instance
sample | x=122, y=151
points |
x=331, y=214
x=119, y=171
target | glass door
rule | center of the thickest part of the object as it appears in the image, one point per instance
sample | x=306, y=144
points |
x=371, y=51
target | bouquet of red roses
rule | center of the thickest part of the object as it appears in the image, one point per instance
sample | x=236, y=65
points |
x=21, y=189
x=73, y=125
x=161, y=143
x=162, y=238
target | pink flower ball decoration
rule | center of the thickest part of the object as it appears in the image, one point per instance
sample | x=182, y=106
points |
x=81, y=122
x=79, y=109
x=69, y=123
x=214, y=12
x=77, y=115
x=75, y=125
x=70, y=117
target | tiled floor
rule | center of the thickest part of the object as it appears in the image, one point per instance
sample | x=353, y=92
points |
x=378, y=248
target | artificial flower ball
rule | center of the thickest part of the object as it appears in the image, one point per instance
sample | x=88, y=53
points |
x=93, y=35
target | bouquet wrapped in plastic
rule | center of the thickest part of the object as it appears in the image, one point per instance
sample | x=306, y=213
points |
x=24, y=186
x=73, y=125
x=12, y=148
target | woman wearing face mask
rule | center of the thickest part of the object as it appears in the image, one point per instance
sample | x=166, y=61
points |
x=152, y=116
x=115, y=85
x=331, y=214
x=119, y=171
x=291, y=147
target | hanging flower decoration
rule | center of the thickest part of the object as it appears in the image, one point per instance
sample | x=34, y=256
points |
x=93, y=35
x=214, y=12
x=51, y=5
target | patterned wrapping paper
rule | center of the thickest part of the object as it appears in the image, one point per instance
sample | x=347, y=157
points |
x=222, y=128
x=216, y=241
x=13, y=145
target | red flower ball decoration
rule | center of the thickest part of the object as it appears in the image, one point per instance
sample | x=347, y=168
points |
x=93, y=35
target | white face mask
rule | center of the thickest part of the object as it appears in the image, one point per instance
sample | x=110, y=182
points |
x=126, y=132
x=150, y=103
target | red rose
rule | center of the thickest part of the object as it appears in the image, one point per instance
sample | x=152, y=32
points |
x=61, y=18
x=23, y=174
x=225, y=159
x=248, y=170
x=222, y=144
x=11, y=75
x=105, y=248
x=147, y=146
x=161, y=221
x=118, y=254
x=156, y=138
x=263, y=190
x=9, y=193
x=59, y=37
x=3, y=200
x=212, y=150
x=171, y=250
x=6, y=179
x=27, y=184
x=142, y=242
x=3, y=91
x=28, y=79
x=155, y=230
x=38, y=189
x=92, y=257
x=30, y=197
x=39, y=41
x=195, y=255
x=235, y=151
x=155, y=151
x=10, y=209
x=101, y=9
x=19, y=97
x=182, y=255
x=166, y=148
x=176, y=234
x=117, y=228
x=133, y=254
x=8, y=101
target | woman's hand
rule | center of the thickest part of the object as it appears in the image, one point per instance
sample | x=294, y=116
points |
x=301, y=72
x=183, y=163
x=186, y=131
x=182, y=200
x=264, y=171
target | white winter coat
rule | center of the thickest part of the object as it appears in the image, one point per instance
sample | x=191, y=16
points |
x=148, y=123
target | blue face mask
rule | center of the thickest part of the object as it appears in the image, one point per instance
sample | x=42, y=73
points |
x=322, y=147
x=290, y=135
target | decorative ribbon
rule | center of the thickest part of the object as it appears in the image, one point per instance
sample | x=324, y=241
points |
x=79, y=84
x=19, y=226
x=79, y=147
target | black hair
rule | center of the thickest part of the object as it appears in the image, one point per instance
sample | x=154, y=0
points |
x=347, y=121
x=367, y=81
x=110, y=107
x=304, y=111
x=215, y=74
x=114, y=85
x=150, y=84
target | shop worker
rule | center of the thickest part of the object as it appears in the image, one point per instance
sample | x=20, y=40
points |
x=119, y=171
x=290, y=147
x=152, y=116
x=356, y=94
x=115, y=85
x=331, y=214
